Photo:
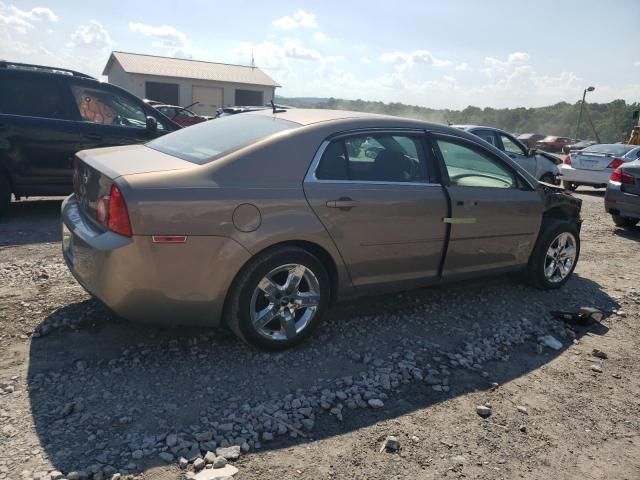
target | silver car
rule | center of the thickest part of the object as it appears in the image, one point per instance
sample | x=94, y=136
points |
x=262, y=220
x=622, y=198
x=541, y=166
x=594, y=165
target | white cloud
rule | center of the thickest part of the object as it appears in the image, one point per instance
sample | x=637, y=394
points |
x=319, y=37
x=518, y=57
x=21, y=21
x=636, y=63
x=92, y=35
x=463, y=67
x=171, y=40
x=365, y=60
x=406, y=60
x=300, y=19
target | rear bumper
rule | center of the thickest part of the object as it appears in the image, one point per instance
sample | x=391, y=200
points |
x=584, y=177
x=617, y=202
x=147, y=282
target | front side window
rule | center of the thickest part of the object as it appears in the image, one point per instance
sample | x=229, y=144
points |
x=108, y=108
x=511, y=146
x=486, y=135
x=374, y=158
x=469, y=167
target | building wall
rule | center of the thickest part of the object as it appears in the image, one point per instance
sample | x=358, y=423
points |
x=135, y=84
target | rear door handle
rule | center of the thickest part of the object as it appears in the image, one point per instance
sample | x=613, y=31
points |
x=467, y=204
x=342, y=202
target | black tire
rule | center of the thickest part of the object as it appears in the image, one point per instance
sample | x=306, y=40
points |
x=5, y=195
x=238, y=307
x=535, y=271
x=570, y=186
x=624, y=222
x=548, y=178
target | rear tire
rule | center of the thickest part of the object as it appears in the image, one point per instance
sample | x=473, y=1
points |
x=624, y=222
x=265, y=290
x=548, y=266
x=570, y=186
x=5, y=195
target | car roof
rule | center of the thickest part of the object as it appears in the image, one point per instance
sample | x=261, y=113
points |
x=308, y=116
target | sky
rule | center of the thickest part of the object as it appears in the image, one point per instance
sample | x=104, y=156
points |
x=438, y=54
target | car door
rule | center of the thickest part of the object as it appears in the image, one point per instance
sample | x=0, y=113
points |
x=38, y=136
x=110, y=117
x=495, y=215
x=374, y=193
x=516, y=151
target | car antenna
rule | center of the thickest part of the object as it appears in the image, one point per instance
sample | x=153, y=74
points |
x=275, y=108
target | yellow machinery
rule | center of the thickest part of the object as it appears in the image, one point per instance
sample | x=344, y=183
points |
x=634, y=138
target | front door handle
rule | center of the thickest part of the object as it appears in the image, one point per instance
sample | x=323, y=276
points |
x=342, y=202
x=467, y=204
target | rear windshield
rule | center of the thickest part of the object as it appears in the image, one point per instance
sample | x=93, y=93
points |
x=209, y=140
x=618, y=150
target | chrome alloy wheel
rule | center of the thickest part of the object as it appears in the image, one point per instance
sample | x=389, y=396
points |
x=285, y=301
x=560, y=257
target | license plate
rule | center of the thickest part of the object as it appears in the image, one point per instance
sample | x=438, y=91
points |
x=589, y=163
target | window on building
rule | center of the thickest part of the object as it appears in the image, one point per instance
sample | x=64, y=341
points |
x=168, y=93
x=250, y=98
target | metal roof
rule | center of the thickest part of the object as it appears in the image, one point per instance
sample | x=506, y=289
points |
x=183, y=68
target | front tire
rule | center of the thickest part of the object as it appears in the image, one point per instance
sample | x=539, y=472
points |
x=278, y=298
x=555, y=255
x=624, y=222
x=570, y=186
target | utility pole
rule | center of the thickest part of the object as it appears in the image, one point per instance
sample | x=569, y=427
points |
x=584, y=94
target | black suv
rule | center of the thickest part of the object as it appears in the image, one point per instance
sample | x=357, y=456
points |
x=48, y=113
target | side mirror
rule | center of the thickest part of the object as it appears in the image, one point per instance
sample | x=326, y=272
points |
x=152, y=125
x=531, y=152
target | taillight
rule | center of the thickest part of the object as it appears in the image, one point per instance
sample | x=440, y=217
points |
x=111, y=211
x=622, y=177
x=567, y=160
x=615, y=163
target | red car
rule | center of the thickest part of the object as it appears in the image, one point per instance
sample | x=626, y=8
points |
x=181, y=115
x=553, y=143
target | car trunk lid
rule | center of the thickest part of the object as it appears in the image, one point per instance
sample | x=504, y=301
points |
x=96, y=170
x=591, y=160
x=632, y=169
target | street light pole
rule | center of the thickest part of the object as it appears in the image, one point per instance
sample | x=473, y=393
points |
x=584, y=94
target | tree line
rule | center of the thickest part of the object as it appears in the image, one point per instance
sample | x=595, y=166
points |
x=612, y=121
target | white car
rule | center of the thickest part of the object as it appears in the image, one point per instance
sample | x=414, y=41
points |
x=594, y=165
x=536, y=163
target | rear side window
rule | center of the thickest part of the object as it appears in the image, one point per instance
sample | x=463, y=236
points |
x=32, y=96
x=374, y=158
x=207, y=141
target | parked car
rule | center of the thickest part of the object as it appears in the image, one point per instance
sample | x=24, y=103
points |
x=261, y=220
x=181, y=115
x=530, y=139
x=48, y=113
x=553, y=144
x=622, y=198
x=538, y=165
x=594, y=165
x=581, y=145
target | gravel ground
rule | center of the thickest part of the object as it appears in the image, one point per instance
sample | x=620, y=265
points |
x=449, y=382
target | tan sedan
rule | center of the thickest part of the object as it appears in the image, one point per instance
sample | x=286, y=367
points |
x=261, y=220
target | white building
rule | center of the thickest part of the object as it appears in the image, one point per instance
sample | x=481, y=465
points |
x=178, y=81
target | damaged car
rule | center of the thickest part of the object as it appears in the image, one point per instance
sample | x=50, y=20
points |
x=262, y=220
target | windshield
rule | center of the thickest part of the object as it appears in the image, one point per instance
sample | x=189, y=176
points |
x=618, y=150
x=207, y=141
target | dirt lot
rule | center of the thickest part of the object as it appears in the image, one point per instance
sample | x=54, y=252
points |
x=91, y=395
